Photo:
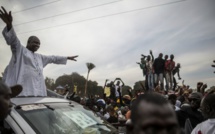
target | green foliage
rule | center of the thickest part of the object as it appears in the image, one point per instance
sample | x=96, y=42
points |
x=125, y=90
x=49, y=83
x=90, y=66
x=79, y=81
x=138, y=86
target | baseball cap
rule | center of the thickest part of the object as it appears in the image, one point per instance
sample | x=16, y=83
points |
x=15, y=90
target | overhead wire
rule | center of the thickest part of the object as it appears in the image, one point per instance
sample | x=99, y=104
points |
x=68, y=12
x=109, y=15
x=36, y=6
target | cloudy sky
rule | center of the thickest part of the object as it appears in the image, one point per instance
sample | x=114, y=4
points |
x=113, y=34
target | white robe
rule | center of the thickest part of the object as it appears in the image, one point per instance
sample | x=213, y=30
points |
x=26, y=68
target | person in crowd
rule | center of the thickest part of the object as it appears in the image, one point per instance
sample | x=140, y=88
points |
x=107, y=88
x=112, y=115
x=142, y=65
x=190, y=116
x=150, y=71
x=159, y=66
x=172, y=98
x=118, y=87
x=151, y=113
x=169, y=66
x=165, y=72
x=5, y=105
x=176, y=70
x=208, y=111
x=26, y=66
x=112, y=91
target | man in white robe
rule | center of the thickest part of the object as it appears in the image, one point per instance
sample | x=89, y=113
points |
x=26, y=66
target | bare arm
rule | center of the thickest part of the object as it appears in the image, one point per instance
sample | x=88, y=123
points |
x=178, y=74
x=105, y=83
x=122, y=82
x=152, y=55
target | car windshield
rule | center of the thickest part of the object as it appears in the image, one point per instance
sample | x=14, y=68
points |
x=64, y=119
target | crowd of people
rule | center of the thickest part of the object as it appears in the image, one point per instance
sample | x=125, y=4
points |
x=156, y=70
x=184, y=111
x=159, y=109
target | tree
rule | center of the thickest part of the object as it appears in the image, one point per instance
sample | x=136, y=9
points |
x=139, y=85
x=78, y=81
x=125, y=90
x=49, y=83
x=90, y=66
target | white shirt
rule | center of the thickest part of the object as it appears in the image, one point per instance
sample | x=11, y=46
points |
x=26, y=68
x=206, y=127
x=116, y=90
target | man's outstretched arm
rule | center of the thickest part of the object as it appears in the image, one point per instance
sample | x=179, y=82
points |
x=57, y=59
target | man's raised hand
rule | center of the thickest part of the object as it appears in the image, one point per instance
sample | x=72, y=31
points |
x=6, y=17
x=72, y=57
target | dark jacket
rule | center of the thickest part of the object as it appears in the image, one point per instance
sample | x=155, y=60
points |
x=159, y=65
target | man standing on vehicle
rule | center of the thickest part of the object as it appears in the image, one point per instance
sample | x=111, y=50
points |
x=176, y=70
x=5, y=105
x=150, y=71
x=159, y=66
x=170, y=65
x=26, y=66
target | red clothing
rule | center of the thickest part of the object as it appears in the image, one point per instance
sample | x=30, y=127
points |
x=169, y=65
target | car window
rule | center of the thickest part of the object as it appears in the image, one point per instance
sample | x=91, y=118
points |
x=64, y=119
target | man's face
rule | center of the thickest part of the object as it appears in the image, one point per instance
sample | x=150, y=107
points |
x=118, y=82
x=166, y=57
x=172, y=57
x=5, y=104
x=33, y=44
x=154, y=119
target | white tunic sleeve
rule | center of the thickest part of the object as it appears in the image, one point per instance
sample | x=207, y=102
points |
x=53, y=59
x=12, y=40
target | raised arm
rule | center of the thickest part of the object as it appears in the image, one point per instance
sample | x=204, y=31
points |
x=105, y=83
x=123, y=84
x=6, y=17
x=152, y=55
x=8, y=32
x=178, y=72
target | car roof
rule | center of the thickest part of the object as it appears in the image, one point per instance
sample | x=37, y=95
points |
x=37, y=100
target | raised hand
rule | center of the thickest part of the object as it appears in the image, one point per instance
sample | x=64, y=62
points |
x=72, y=58
x=143, y=55
x=150, y=52
x=6, y=17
